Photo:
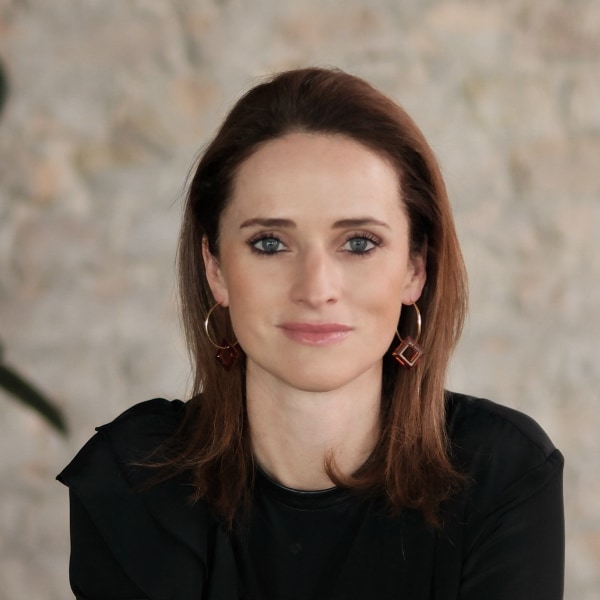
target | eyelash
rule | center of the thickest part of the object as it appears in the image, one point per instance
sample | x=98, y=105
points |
x=363, y=236
x=263, y=236
x=353, y=236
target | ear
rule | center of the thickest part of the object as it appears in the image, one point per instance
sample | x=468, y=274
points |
x=214, y=275
x=416, y=276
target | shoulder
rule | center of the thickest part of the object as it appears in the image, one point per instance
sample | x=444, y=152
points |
x=476, y=422
x=132, y=436
x=157, y=416
x=121, y=515
x=501, y=450
x=144, y=427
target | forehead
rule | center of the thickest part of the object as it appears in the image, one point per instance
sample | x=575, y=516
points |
x=302, y=172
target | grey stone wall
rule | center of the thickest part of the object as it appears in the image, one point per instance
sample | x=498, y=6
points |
x=111, y=100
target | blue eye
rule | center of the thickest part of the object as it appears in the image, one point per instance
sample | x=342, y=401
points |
x=267, y=245
x=359, y=245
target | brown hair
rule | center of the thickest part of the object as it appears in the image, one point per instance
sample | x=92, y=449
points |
x=411, y=462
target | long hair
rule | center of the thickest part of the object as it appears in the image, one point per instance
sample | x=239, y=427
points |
x=411, y=461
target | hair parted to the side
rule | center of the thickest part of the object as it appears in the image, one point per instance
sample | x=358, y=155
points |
x=411, y=462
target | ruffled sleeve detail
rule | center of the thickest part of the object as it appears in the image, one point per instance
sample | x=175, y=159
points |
x=160, y=544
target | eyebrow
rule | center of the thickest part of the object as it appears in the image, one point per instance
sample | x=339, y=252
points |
x=288, y=223
x=268, y=223
x=360, y=222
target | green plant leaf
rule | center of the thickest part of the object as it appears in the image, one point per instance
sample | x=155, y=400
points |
x=13, y=383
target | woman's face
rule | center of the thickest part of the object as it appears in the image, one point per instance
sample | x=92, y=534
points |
x=314, y=261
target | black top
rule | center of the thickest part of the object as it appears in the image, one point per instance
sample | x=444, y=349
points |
x=502, y=539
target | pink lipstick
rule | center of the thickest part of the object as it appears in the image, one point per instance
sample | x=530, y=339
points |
x=316, y=334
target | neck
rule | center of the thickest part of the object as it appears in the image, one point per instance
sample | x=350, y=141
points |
x=294, y=432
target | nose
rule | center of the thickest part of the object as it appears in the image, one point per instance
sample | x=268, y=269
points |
x=316, y=279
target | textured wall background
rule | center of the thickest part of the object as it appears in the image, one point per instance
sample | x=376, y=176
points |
x=109, y=102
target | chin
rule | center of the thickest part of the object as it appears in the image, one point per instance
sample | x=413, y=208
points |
x=317, y=387
x=322, y=381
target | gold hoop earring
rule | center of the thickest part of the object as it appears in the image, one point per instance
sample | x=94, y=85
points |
x=228, y=353
x=409, y=351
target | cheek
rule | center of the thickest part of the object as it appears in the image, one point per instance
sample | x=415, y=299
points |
x=248, y=296
x=253, y=281
x=384, y=294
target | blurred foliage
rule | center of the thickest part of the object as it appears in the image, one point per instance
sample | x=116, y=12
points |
x=10, y=380
x=3, y=86
x=18, y=387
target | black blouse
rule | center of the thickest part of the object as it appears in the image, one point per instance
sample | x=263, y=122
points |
x=502, y=539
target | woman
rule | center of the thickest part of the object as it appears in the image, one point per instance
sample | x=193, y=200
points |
x=320, y=456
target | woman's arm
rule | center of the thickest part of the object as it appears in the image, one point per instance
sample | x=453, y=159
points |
x=518, y=553
x=94, y=572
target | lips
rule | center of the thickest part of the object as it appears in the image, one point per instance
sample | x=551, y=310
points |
x=316, y=334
